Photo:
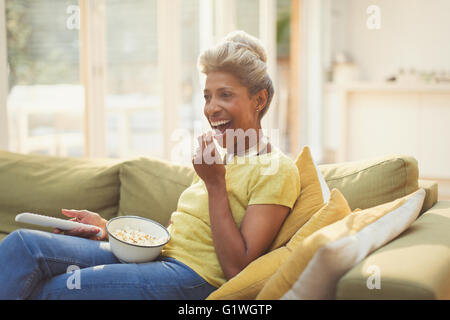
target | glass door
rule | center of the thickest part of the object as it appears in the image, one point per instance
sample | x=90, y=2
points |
x=45, y=97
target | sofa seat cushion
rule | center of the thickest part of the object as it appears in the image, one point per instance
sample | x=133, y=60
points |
x=416, y=265
x=46, y=184
x=151, y=187
x=2, y=235
x=369, y=183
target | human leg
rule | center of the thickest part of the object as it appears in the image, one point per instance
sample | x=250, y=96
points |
x=28, y=257
x=164, y=278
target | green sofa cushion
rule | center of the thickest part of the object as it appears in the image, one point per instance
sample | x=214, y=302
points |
x=2, y=236
x=413, y=266
x=431, y=189
x=371, y=182
x=45, y=185
x=151, y=187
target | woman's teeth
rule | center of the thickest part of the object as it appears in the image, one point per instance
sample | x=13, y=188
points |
x=219, y=123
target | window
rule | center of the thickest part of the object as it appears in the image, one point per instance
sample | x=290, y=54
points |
x=132, y=88
x=45, y=96
x=133, y=102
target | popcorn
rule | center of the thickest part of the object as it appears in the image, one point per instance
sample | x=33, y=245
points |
x=138, y=237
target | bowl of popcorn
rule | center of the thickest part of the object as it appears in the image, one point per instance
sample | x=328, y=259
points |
x=135, y=239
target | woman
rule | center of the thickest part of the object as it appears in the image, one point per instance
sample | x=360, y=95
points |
x=227, y=218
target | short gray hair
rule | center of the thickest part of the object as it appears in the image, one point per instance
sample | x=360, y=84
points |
x=243, y=56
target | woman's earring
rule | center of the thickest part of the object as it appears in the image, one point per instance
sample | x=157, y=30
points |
x=257, y=109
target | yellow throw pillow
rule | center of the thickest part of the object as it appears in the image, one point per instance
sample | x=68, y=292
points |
x=336, y=209
x=316, y=265
x=314, y=194
x=248, y=283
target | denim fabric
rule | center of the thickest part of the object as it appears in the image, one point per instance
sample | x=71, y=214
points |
x=42, y=265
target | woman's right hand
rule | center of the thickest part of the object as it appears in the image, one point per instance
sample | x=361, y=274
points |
x=87, y=217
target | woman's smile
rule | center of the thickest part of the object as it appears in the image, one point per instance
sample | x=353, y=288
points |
x=219, y=126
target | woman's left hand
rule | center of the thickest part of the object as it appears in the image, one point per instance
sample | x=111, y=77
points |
x=88, y=218
x=207, y=161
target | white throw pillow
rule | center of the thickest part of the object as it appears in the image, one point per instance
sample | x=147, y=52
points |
x=335, y=258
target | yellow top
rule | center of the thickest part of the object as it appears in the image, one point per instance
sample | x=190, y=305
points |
x=270, y=178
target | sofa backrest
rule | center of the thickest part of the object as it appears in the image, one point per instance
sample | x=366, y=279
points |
x=151, y=187
x=371, y=182
x=45, y=185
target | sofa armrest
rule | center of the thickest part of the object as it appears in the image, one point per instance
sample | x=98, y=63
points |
x=413, y=266
x=431, y=193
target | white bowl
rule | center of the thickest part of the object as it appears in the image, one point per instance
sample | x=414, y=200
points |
x=133, y=253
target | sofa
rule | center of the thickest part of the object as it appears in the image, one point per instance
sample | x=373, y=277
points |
x=415, y=265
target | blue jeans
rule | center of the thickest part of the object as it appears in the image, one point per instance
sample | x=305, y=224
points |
x=42, y=265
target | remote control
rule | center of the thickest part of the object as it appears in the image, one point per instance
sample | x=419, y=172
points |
x=46, y=221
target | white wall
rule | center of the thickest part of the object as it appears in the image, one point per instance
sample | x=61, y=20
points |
x=413, y=34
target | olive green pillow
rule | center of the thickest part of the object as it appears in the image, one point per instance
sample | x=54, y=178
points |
x=46, y=184
x=151, y=187
x=369, y=183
